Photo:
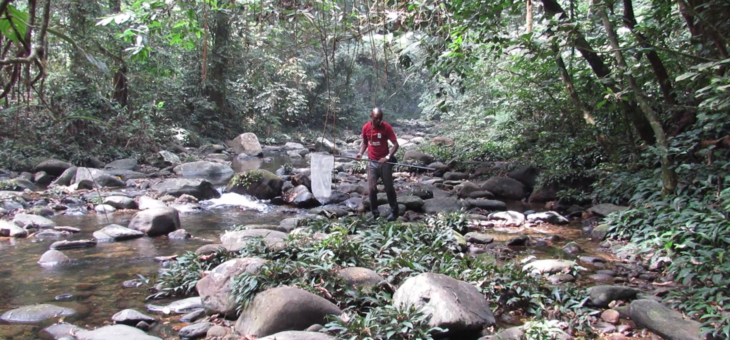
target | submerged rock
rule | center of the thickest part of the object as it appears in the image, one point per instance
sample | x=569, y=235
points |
x=53, y=258
x=35, y=313
x=131, y=317
x=115, y=332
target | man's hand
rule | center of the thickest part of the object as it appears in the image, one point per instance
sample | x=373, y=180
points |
x=383, y=160
x=358, y=156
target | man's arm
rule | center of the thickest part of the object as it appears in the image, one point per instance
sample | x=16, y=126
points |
x=363, y=147
x=394, y=149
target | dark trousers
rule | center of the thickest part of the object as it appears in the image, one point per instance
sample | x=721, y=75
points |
x=385, y=172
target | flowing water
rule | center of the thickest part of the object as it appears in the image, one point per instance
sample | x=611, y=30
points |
x=92, y=284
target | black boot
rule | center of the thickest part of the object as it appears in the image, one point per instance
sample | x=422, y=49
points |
x=393, y=215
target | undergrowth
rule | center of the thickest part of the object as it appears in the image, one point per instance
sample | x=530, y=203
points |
x=396, y=251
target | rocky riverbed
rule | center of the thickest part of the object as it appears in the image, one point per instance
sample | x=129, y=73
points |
x=81, y=247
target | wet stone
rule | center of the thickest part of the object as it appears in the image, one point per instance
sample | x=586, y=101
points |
x=601, y=277
x=60, y=245
x=194, y=331
x=131, y=317
x=611, y=316
x=192, y=316
x=560, y=278
x=35, y=313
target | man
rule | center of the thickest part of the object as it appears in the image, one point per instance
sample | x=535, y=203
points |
x=375, y=136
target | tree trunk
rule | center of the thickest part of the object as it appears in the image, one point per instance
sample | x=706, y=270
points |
x=528, y=16
x=574, y=97
x=642, y=125
x=669, y=177
x=121, y=85
x=216, y=88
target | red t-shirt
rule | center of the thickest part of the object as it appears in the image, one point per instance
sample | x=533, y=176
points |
x=378, y=138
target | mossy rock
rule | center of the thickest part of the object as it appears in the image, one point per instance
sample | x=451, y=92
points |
x=261, y=184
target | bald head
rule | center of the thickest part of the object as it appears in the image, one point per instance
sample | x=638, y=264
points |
x=376, y=115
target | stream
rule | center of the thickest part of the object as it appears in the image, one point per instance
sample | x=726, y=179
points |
x=92, y=284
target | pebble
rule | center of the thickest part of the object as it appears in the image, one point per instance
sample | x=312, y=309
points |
x=611, y=316
x=601, y=278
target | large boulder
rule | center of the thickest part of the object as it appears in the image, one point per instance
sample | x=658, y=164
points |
x=215, y=288
x=465, y=189
x=486, y=204
x=53, y=167
x=246, y=143
x=156, y=221
x=411, y=202
x=526, y=175
x=547, y=217
x=35, y=313
x=437, y=205
x=300, y=197
x=261, y=184
x=510, y=218
x=504, y=187
x=203, y=169
x=324, y=144
x=100, y=177
x=236, y=240
x=452, y=304
x=284, y=309
x=360, y=277
x=544, y=193
x=662, y=320
x=115, y=332
x=18, y=184
x=416, y=157
x=198, y=188
x=169, y=157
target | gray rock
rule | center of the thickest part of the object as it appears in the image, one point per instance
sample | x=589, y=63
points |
x=192, y=316
x=451, y=304
x=35, y=313
x=120, y=202
x=29, y=221
x=504, y=187
x=330, y=211
x=360, y=277
x=104, y=208
x=203, y=169
x=298, y=335
x=100, y=177
x=53, y=258
x=455, y=176
x=512, y=333
x=42, y=211
x=169, y=157
x=115, y=332
x=283, y=309
x=411, y=202
x=487, y=204
x=146, y=202
x=236, y=240
x=8, y=229
x=198, y=188
x=547, y=266
x=324, y=144
x=667, y=323
x=66, y=177
x=20, y=184
x=511, y=218
x=75, y=244
x=478, y=238
x=288, y=224
x=179, y=234
x=416, y=157
x=384, y=210
x=42, y=178
x=196, y=330
x=601, y=296
x=600, y=232
x=547, y=217
x=422, y=191
x=466, y=189
x=518, y=241
x=293, y=146
x=300, y=197
x=158, y=221
x=560, y=278
x=261, y=184
x=115, y=232
x=526, y=175
x=215, y=288
x=246, y=143
x=604, y=209
x=53, y=167
x=131, y=317
x=437, y=205
x=122, y=164
x=126, y=175
x=442, y=141
x=183, y=306
x=571, y=248
x=60, y=330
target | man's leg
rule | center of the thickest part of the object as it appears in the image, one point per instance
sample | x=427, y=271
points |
x=387, y=175
x=373, y=174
